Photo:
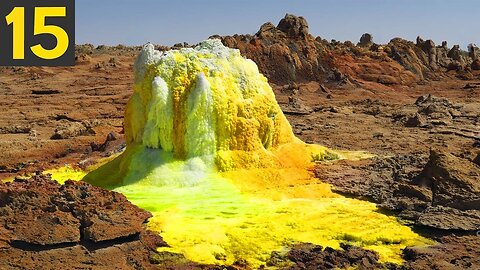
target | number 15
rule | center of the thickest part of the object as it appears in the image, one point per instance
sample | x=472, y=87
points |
x=17, y=18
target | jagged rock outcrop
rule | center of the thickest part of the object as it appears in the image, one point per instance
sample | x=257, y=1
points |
x=293, y=26
x=444, y=195
x=473, y=51
x=285, y=53
x=425, y=59
x=366, y=40
x=455, y=189
x=288, y=53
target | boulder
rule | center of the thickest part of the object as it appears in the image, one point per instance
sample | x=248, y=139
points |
x=416, y=120
x=293, y=26
x=366, y=40
x=473, y=51
x=71, y=129
x=266, y=30
x=455, y=181
x=475, y=64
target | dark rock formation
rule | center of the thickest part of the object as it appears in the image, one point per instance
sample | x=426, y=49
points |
x=44, y=225
x=475, y=64
x=473, y=51
x=452, y=252
x=293, y=26
x=366, y=40
x=416, y=120
x=477, y=159
x=445, y=194
x=308, y=256
x=455, y=188
x=267, y=30
x=439, y=115
x=454, y=180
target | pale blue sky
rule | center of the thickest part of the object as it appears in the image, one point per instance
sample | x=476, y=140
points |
x=135, y=22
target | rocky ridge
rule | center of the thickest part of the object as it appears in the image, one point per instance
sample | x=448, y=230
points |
x=288, y=53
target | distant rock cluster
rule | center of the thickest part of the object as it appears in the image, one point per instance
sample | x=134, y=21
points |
x=288, y=53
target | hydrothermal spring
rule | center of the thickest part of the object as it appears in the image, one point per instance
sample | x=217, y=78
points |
x=211, y=155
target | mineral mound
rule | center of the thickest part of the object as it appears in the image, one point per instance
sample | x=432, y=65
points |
x=210, y=153
x=207, y=105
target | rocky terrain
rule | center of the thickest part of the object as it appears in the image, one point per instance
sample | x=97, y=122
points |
x=415, y=105
x=44, y=224
x=288, y=53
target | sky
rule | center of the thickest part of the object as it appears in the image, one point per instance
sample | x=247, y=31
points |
x=136, y=22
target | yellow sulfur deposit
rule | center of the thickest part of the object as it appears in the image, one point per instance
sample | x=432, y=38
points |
x=62, y=174
x=211, y=155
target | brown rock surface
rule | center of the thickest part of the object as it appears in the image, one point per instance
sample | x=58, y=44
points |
x=476, y=64
x=45, y=225
x=454, y=181
x=308, y=256
x=452, y=252
x=288, y=53
x=443, y=196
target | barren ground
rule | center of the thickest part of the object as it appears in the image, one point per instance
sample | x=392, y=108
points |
x=51, y=116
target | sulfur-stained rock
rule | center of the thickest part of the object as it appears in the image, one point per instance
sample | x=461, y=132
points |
x=200, y=105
